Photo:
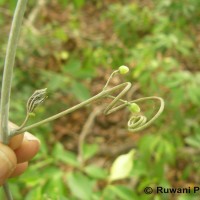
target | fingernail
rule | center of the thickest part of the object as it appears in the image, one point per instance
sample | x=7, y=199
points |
x=31, y=137
x=6, y=166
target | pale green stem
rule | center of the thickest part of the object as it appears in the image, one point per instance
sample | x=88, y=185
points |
x=24, y=122
x=84, y=133
x=110, y=77
x=76, y=107
x=7, y=77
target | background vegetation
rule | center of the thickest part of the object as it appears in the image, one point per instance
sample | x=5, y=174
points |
x=71, y=47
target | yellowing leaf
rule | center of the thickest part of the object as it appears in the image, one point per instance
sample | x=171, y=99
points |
x=122, y=166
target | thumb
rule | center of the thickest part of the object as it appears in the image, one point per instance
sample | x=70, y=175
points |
x=8, y=162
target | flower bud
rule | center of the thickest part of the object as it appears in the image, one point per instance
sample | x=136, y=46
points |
x=36, y=99
x=134, y=108
x=123, y=69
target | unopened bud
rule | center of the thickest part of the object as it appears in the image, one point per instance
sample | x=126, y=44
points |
x=36, y=99
x=134, y=108
x=123, y=69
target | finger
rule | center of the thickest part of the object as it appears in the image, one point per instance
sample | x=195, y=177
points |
x=19, y=169
x=15, y=141
x=29, y=147
x=8, y=162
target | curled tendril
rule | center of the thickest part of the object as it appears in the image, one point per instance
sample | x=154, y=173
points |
x=133, y=124
x=136, y=122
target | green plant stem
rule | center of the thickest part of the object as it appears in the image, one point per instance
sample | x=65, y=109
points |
x=24, y=122
x=7, y=77
x=110, y=77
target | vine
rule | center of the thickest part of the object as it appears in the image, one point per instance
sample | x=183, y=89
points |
x=136, y=122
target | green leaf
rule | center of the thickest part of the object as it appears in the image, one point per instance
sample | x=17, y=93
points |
x=72, y=66
x=80, y=91
x=123, y=192
x=58, y=81
x=65, y=156
x=85, y=73
x=193, y=141
x=54, y=186
x=31, y=178
x=35, y=193
x=80, y=185
x=96, y=195
x=75, y=69
x=89, y=150
x=122, y=166
x=96, y=172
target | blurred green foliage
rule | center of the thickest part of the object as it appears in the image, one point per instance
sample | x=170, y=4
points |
x=63, y=50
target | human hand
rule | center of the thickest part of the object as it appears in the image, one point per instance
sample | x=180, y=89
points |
x=14, y=157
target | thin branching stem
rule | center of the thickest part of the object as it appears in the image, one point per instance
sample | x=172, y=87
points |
x=100, y=95
x=24, y=122
x=85, y=132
